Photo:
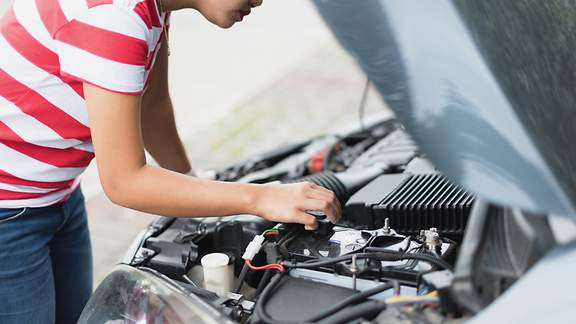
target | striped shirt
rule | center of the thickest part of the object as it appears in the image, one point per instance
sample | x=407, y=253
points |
x=48, y=49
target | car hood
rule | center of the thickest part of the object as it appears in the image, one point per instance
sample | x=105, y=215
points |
x=485, y=87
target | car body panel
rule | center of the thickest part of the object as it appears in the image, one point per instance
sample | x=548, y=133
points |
x=493, y=125
x=549, y=278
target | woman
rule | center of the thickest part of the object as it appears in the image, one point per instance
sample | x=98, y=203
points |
x=85, y=78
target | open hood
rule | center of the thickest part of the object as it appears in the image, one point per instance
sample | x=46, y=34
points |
x=485, y=87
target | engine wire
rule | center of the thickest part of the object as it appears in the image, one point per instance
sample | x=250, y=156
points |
x=374, y=253
x=248, y=265
x=349, y=301
x=241, y=278
x=405, y=300
x=368, y=308
x=271, y=232
x=263, y=283
x=353, y=299
x=275, y=266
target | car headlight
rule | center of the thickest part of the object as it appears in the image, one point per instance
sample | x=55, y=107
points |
x=130, y=295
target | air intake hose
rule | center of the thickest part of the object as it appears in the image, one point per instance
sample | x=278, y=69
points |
x=343, y=184
x=329, y=181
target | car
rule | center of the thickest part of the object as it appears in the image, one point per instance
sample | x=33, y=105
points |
x=461, y=208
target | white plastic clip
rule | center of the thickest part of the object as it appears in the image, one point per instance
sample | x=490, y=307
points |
x=253, y=247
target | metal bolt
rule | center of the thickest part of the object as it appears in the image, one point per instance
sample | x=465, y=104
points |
x=386, y=228
x=432, y=238
x=354, y=270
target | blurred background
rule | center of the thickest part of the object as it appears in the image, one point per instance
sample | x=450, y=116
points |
x=278, y=77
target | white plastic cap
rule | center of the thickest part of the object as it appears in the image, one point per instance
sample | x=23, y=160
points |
x=214, y=260
x=218, y=273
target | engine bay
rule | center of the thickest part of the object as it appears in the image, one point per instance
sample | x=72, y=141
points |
x=390, y=259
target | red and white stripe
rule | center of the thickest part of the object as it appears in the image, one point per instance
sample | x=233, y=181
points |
x=48, y=49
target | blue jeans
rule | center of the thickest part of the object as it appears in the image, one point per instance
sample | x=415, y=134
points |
x=45, y=263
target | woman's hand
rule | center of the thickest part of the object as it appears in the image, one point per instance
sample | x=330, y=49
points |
x=289, y=203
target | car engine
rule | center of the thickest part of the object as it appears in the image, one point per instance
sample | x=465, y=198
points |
x=392, y=257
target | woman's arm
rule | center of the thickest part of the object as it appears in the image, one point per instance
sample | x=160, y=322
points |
x=127, y=180
x=161, y=138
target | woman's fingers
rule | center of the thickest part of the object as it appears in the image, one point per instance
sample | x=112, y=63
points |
x=323, y=206
x=318, y=194
x=320, y=188
x=329, y=201
x=310, y=222
x=323, y=194
x=294, y=203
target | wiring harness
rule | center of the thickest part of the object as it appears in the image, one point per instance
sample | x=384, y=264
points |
x=251, y=251
x=355, y=306
x=375, y=254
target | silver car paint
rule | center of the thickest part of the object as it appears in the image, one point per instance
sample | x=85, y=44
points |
x=431, y=69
